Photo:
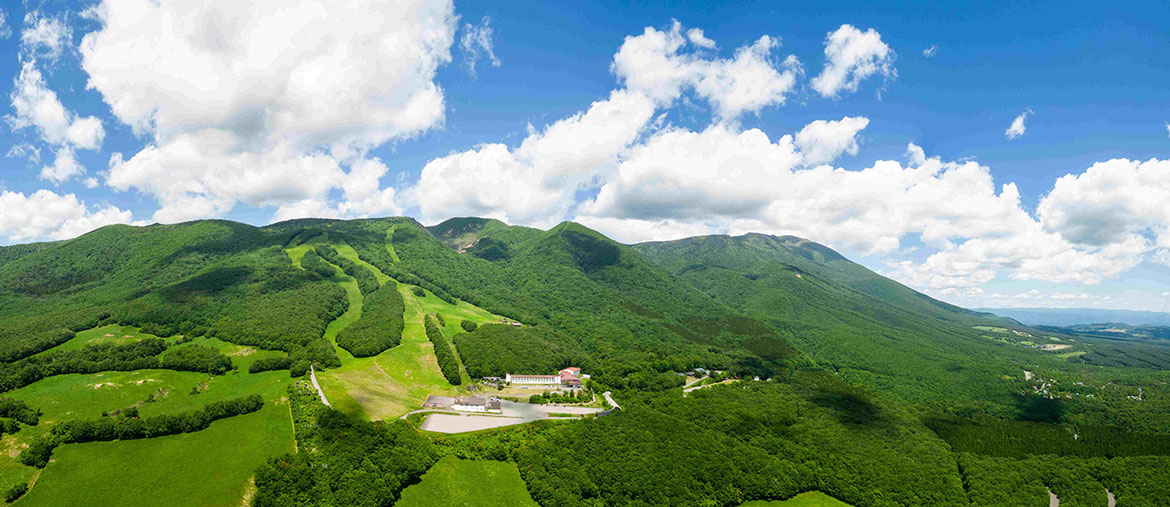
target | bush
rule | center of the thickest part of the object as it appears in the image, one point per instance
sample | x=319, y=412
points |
x=418, y=291
x=17, y=409
x=14, y=493
x=299, y=368
x=269, y=364
x=468, y=325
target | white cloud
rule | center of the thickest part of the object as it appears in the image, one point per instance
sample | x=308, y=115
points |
x=1168, y=129
x=47, y=215
x=695, y=35
x=1110, y=202
x=656, y=64
x=851, y=56
x=535, y=182
x=823, y=141
x=64, y=167
x=86, y=133
x=265, y=102
x=915, y=155
x=45, y=37
x=37, y=106
x=930, y=51
x=477, y=42
x=5, y=30
x=1017, y=128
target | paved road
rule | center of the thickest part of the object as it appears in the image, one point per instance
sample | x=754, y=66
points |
x=313, y=377
x=610, y=400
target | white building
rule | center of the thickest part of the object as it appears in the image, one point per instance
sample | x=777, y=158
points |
x=568, y=377
x=476, y=404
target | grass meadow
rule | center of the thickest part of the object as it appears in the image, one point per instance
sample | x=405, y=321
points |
x=468, y=483
x=212, y=467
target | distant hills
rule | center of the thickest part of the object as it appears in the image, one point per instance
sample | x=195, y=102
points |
x=1078, y=316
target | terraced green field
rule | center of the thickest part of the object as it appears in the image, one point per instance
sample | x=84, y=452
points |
x=468, y=483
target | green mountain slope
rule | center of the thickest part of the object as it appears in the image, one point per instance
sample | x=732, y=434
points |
x=870, y=329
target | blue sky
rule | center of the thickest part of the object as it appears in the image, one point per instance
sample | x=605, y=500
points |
x=111, y=120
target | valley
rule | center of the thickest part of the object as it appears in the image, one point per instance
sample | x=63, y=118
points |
x=835, y=385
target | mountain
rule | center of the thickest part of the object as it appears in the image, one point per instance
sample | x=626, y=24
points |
x=823, y=375
x=868, y=328
x=1079, y=316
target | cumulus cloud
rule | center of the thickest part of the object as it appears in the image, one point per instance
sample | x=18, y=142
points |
x=477, y=43
x=263, y=103
x=38, y=107
x=823, y=141
x=64, y=167
x=851, y=56
x=1017, y=128
x=45, y=36
x=536, y=183
x=661, y=64
x=930, y=51
x=48, y=215
x=695, y=35
x=1111, y=202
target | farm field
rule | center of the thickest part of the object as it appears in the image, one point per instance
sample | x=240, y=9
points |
x=468, y=483
x=211, y=467
x=808, y=499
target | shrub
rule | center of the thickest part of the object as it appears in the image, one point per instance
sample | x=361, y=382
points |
x=468, y=325
x=14, y=493
x=269, y=364
x=418, y=291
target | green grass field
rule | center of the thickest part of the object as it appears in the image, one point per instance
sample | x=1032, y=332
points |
x=468, y=483
x=112, y=334
x=212, y=467
x=807, y=499
x=86, y=396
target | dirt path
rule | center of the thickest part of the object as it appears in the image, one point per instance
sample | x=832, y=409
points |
x=1052, y=500
x=313, y=377
x=1110, y=498
x=610, y=400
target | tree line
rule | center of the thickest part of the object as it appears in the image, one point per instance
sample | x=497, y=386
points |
x=127, y=428
x=367, y=282
x=446, y=359
x=93, y=358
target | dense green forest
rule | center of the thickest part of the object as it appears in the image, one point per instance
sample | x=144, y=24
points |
x=448, y=364
x=839, y=380
x=380, y=326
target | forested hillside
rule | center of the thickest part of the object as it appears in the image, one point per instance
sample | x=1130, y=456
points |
x=837, y=379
